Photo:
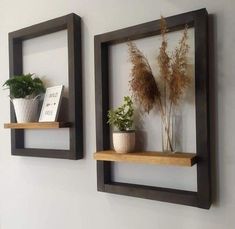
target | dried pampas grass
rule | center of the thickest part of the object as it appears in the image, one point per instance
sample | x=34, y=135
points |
x=143, y=85
x=180, y=79
x=163, y=58
x=172, y=74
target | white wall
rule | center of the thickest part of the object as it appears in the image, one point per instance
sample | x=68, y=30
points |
x=48, y=193
x=47, y=57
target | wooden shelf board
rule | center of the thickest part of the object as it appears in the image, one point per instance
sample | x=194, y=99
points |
x=37, y=125
x=179, y=159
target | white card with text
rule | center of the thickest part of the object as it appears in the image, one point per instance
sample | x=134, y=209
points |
x=51, y=104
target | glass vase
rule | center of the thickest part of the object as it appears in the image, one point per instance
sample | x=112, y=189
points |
x=168, y=138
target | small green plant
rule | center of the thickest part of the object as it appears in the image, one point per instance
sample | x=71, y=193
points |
x=24, y=86
x=122, y=117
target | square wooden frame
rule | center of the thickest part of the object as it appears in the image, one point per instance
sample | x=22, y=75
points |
x=202, y=198
x=71, y=23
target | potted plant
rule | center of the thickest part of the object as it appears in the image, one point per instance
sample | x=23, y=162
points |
x=24, y=93
x=122, y=120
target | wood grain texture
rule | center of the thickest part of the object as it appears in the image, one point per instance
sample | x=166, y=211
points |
x=37, y=125
x=153, y=193
x=179, y=159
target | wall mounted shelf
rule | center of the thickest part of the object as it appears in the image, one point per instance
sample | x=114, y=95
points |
x=37, y=125
x=178, y=159
x=197, y=19
x=72, y=24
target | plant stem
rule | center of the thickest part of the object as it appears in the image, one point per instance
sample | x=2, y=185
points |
x=164, y=122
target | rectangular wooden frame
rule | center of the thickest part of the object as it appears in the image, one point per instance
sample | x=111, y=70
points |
x=202, y=198
x=71, y=23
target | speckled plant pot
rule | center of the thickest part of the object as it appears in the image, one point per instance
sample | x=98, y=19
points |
x=124, y=141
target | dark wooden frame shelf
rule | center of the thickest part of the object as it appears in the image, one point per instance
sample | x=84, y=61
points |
x=202, y=197
x=71, y=23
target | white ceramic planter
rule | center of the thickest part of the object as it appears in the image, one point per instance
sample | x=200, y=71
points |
x=25, y=109
x=124, y=141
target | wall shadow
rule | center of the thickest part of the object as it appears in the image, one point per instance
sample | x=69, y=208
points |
x=213, y=108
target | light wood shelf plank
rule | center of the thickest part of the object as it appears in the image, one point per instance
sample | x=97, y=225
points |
x=37, y=125
x=178, y=159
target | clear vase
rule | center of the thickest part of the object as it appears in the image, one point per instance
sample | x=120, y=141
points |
x=168, y=138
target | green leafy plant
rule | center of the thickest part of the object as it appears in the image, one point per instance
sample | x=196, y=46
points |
x=24, y=86
x=122, y=117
